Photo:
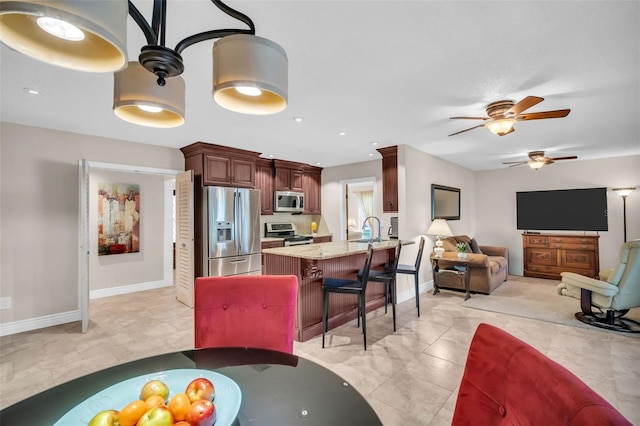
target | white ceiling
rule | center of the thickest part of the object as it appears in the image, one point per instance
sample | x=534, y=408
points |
x=390, y=72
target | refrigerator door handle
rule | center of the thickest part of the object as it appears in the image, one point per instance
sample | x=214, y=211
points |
x=238, y=261
x=237, y=207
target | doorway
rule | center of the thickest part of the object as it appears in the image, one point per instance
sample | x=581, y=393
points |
x=359, y=202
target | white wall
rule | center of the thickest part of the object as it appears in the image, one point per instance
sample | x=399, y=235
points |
x=495, y=201
x=39, y=214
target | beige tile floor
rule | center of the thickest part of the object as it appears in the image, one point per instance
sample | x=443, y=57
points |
x=410, y=377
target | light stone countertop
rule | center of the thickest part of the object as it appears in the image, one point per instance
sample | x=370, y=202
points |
x=270, y=239
x=323, y=251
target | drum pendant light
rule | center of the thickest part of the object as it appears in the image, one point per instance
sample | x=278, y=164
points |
x=140, y=100
x=250, y=74
x=80, y=35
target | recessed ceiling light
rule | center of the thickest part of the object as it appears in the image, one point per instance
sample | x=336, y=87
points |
x=317, y=164
x=371, y=154
x=270, y=155
x=342, y=133
x=298, y=119
x=31, y=91
x=374, y=143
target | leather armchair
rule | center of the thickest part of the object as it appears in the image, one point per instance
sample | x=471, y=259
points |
x=617, y=291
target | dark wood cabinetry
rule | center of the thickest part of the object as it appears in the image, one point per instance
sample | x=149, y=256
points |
x=323, y=239
x=264, y=182
x=389, y=179
x=311, y=184
x=289, y=175
x=547, y=255
x=219, y=165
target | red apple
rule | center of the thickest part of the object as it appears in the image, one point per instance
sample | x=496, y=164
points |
x=157, y=416
x=201, y=413
x=200, y=388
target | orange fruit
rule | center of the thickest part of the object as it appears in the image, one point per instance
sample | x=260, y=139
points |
x=154, y=401
x=181, y=423
x=131, y=413
x=179, y=405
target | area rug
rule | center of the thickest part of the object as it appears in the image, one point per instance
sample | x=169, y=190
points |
x=532, y=298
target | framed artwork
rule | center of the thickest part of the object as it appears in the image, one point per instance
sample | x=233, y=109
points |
x=118, y=218
x=445, y=202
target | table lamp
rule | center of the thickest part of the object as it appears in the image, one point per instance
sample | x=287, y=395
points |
x=439, y=228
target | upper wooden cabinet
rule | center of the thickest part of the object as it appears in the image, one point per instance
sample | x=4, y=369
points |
x=288, y=175
x=264, y=182
x=312, y=183
x=220, y=165
x=389, y=179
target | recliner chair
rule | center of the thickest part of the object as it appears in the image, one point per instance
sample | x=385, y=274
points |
x=617, y=291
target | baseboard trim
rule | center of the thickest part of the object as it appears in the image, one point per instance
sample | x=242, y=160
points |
x=40, y=322
x=31, y=324
x=124, y=289
x=411, y=294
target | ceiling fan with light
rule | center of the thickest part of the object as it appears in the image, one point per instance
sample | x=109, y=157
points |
x=502, y=115
x=537, y=160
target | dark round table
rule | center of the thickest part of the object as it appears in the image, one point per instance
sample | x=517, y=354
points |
x=277, y=389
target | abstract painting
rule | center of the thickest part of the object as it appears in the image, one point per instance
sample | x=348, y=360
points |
x=118, y=218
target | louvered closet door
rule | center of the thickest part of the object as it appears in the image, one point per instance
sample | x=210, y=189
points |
x=184, y=238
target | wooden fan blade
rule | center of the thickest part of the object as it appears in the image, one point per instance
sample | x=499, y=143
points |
x=515, y=162
x=523, y=105
x=470, y=118
x=466, y=130
x=572, y=157
x=521, y=164
x=545, y=114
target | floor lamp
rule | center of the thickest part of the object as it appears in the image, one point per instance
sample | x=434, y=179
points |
x=624, y=192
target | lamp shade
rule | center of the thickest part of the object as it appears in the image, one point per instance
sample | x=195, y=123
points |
x=250, y=74
x=439, y=228
x=91, y=35
x=501, y=127
x=138, y=99
x=623, y=192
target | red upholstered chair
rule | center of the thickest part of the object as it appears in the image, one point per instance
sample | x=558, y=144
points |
x=508, y=382
x=257, y=311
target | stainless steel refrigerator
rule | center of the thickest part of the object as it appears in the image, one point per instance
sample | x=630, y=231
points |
x=231, y=231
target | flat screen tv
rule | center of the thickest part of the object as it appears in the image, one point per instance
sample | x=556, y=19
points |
x=562, y=210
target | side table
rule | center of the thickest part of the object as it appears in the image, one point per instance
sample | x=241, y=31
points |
x=460, y=276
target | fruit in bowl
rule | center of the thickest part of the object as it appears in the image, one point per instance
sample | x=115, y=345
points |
x=200, y=388
x=154, y=387
x=201, y=413
x=105, y=418
x=158, y=416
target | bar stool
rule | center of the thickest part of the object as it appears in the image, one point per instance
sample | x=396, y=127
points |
x=346, y=286
x=415, y=271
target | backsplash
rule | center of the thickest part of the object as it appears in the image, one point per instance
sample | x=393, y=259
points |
x=301, y=221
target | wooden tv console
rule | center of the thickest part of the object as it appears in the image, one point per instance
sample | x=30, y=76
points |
x=547, y=255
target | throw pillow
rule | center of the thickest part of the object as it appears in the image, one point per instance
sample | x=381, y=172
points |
x=449, y=244
x=464, y=239
x=474, y=246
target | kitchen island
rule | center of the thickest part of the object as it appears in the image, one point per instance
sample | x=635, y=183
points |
x=311, y=263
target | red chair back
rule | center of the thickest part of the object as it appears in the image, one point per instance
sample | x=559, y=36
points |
x=257, y=311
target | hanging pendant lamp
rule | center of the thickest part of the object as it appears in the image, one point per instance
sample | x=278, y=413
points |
x=138, y=98
x=81, y=35
x=249, y=74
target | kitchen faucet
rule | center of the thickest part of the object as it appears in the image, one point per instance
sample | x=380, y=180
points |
x=379, y=227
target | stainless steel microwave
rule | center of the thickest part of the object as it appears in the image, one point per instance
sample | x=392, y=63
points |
x=288, y=201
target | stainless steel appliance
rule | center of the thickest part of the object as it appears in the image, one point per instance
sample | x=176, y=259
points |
x=288, y=201
x=393, y=229
x=231, y=231
x=288, y=232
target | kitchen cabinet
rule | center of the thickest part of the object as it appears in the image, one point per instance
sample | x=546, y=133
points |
x=322, y=239
x=219, y=165
x=389, y=179
x=264, y=182
x=269, y=244
x=547, y=255
x=311, y=184
x=288, y=175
